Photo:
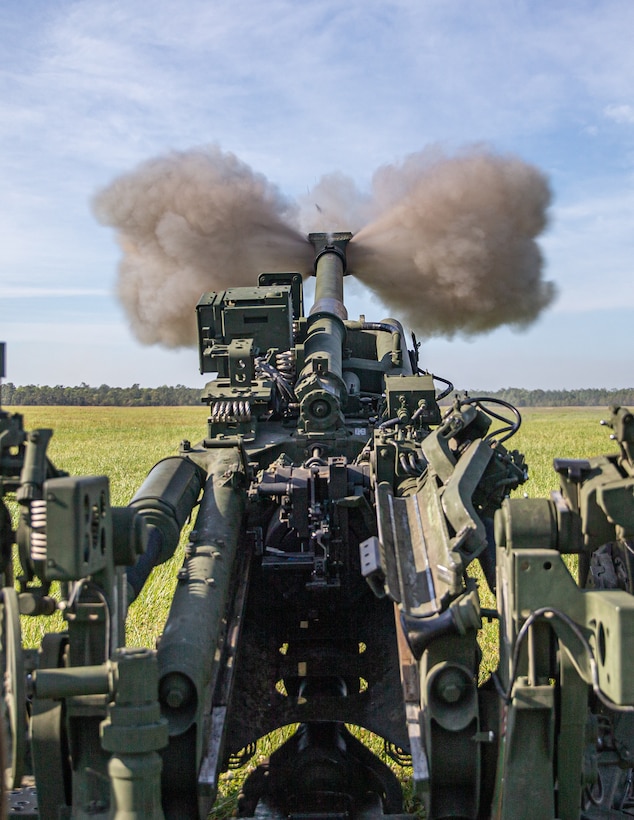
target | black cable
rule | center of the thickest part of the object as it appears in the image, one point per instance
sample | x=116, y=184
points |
x=576, y=630
x=511, y=426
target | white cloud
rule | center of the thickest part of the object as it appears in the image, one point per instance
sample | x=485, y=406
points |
x=590, y=250
x=306, y=83
x=298, y=89
x=28, y=292
x=78, y=332
x=623, y=113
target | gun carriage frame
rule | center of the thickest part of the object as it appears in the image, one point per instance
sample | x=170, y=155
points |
x=324, y=584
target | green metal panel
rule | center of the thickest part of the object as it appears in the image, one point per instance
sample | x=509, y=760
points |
x=78, y=527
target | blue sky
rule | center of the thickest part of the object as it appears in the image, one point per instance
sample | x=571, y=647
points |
x=297, y=90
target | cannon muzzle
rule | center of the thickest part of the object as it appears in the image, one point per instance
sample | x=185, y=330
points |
x=330, y=268
x=320, y=388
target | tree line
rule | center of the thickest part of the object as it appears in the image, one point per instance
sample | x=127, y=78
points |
x=583, y=397
x=103, y=396
x=137, y=396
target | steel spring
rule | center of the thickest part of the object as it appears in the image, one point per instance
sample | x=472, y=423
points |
x=285, y=364
x=237, y=410
x=38, y=530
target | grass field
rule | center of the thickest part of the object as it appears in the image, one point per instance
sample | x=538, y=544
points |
x=124, y=443
x=547, y=433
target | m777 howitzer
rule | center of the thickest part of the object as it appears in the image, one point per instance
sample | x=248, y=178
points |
x=325, y=586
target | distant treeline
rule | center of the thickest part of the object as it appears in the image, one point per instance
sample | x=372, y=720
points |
x=137, y=396
x=585, y=397
x=84, y=395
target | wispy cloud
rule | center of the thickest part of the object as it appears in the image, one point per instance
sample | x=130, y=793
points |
x=623, y=113
x=89, y=88
x=27, y=291
x=109, y=74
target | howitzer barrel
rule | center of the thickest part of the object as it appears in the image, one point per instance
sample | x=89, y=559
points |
x=321, y=388
x=330, y=268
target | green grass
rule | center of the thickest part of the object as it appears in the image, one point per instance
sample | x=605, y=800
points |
x=124, y=443
x=120, y=442
x=547, y=433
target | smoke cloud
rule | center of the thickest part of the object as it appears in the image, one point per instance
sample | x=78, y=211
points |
x=452, y=244
x=449, y=243
x=192, y=222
